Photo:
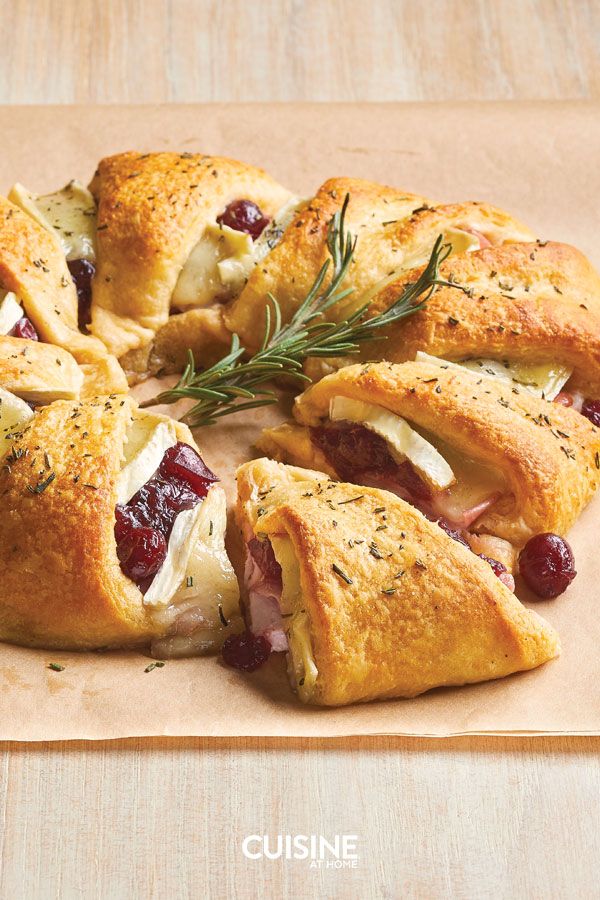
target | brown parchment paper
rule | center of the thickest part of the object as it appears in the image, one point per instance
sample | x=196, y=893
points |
x=541, y=162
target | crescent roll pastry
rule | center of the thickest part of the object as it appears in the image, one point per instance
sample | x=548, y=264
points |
x=395, y=231
x=370, y=599
x=112, y=533
x=176, y=232
x=38, y=294
x=485, y=458
x=529, y=313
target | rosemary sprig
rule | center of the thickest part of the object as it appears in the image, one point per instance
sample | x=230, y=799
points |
x=233, y=385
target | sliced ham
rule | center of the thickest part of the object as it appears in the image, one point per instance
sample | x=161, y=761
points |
x=483, y=241
x=262, y=575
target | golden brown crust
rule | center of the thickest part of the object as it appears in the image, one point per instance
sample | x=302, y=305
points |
x=200, y=331
x=62, y=584
x=446, y=620
x=395, y=231
x=33, y=265
x=548, y=454
x=152, y=210
x=38, y=372
x=534, y=302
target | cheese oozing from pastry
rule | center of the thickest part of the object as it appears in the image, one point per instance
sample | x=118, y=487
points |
x=545, y=380
x=69, y=213
x=403, y=441
x=222, y=260
x=11, y=312
x=14, y=413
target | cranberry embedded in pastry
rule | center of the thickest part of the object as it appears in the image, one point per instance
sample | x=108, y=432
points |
x=591, y=410
x=246, y=216
x=24, y=329
x=82, y=272
x=144, y=524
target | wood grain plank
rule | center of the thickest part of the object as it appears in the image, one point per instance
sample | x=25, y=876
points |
x=131, y=51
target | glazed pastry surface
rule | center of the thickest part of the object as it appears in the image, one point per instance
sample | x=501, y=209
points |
x=62, y=585
x=548, y=454
x=376, y=633
x=395, y=230
x=152, y=210
x=34, y=267
x=38, y=372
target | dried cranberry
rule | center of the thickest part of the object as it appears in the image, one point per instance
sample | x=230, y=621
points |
x=82, y=272
x=454, y=533
x=141, y=552
x=547, y=565
x=246, y=216
x=498, y=568
x=591, y=410
x=246, y=651
x=182, y=461
x=24, y=329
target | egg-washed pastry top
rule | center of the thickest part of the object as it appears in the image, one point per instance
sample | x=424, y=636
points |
x=170, y=231
x=472, y=450
x=112, y=533
x=530, y=309
x=373, y=601
x=395, y=230
x=38, y=294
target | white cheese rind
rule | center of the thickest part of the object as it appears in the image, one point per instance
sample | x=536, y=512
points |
x=10, y=312
x=69, y=213
x=146, y=445
x=403, y=441
x=14, y=412
x=172, y=572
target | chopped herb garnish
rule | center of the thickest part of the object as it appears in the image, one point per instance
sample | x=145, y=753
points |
x=342, y=574
x=224, y=621
x=56, y=667
x=41, y=487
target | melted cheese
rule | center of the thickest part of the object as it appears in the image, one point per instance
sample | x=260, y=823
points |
x=403, y=441
x=541, y=379
x=69, y=213
x=147, y=440
x=10, y=312
x=222, y=260
x=301, y=663
x=14, y=412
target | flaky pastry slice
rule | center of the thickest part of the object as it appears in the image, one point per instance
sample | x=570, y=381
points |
x=484, y=457
x=112, y=533
x=370, y=599
x=38, y=290
x=177, y=233
x=395, y=232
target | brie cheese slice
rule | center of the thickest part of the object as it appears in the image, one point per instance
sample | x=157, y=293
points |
x=541, y=379
x=14, y=412
x=403, y=441
x=147, y=441
x=69, y=213
x=181, y=544
x=10, y=312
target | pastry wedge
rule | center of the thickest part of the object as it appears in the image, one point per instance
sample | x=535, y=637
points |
x=484, y=457
x=38, y=294
x=164, y=248
x=112, y=533
x=395, y=231
x=528, y=313
x=370, y=599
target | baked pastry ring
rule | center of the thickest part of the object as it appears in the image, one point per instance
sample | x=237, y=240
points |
x=156, y=250
x=534, y=308
x=64, y=560
x=34, y=272
x=395, y=230
x=374, y=600
x=518, y=464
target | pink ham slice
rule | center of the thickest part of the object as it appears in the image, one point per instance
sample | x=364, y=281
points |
x=262, y=576
x=573, y=399
x=461, y=517
x=483, y=241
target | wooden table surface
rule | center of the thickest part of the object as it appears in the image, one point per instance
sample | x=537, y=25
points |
x=472, y=817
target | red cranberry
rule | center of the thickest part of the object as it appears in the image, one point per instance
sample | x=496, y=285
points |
x=547, y=565
x=244, y=215
x=454, y=533
x=141, y=553
x=182, y=461
x=82, y=272
x=24, y=329
x=498, y=568
x=591, y=410
x=246, y=651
